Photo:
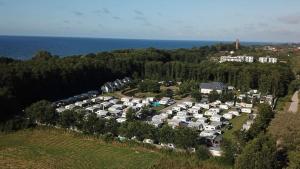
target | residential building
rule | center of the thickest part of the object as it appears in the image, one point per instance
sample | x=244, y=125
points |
x=206, y=88
x=244, y=58
x=267, y=59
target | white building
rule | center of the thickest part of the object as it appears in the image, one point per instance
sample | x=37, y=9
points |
x=183, y=106
x=196, y=115
x=202, y=120
x=203, y=105
x=236, y=113
x=164, y=101
x=216, y=117
x=246, y=110
x=121, y=120
x=102, y=113
x=126, y=99
x=70, y=106
x=224, y=106
x=195, y=125
x=208, y=133
x=244, y=58
x=267, y=59
x=228, y=116
x=206, y=88
x=189, y=104
x=210, y=113
x=177, y=109
x=193, y=111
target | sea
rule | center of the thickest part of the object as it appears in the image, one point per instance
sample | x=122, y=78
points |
x=25, y=47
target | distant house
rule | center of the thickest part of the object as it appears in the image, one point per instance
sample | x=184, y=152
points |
x=117, y=84
x=244, y=58
x=216, y=117
x=267, y=59
x=246, y=110
x=107, y=88
x=228, y=116
x=126, y=80
x=164, y=100
x=206, y=88
x=195, y=125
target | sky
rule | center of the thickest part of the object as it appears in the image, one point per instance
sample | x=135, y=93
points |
x=226, y=20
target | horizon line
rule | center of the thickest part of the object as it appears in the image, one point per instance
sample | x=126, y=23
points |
x=149, y=39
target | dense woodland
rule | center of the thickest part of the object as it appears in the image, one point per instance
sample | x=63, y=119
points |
x=50, y=77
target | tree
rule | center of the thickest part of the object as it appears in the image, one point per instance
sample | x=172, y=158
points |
x=202, y=152
x=258, y=153
x=169, y=93
x=90, y=125
x=226, y=96
x=7, y=103
x=42, y=55
x=187, y=87
x=145, y=112
x=166, y=134
x=42, y=112
x=131, y=115
x=138, y=129
x=185, y=137
x=213, y=96
x=265, y=115
x=68, y=119
x=229, y=150
x=112, y=126
x=196, y=95
x=294, y=86
x=149, y=86
x=44, y=77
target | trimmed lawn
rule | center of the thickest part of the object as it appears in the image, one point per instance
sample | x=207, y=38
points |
x=51, y=148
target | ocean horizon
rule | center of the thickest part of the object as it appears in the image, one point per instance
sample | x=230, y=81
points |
x=24, y=47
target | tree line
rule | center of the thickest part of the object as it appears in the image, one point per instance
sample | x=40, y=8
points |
x=43, y=113
x=49, y=77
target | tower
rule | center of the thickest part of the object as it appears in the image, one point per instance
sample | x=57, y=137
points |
x=237, y=44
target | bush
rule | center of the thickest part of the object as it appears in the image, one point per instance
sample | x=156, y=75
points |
x=196, y=95
x=108, y=138
x=202, y=153
x=42, y=112
x=15, y=124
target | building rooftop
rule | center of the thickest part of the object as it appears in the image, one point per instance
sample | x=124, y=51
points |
x=213, y=86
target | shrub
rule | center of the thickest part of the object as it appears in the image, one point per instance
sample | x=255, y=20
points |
x=202, y=153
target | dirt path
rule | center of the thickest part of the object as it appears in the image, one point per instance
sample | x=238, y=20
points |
x=295, y=101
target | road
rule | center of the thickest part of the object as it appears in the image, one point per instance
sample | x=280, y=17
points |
x=177, y=102
x=295, y=101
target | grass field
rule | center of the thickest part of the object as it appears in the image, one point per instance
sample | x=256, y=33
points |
x=237, y=124
x=45, y=148
x=49, y=148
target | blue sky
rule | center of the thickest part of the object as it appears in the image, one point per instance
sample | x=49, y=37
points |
x=249, y=20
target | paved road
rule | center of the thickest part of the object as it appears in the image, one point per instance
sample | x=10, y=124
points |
x=295, y=101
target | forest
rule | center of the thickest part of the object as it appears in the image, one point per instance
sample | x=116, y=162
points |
x=51, y=77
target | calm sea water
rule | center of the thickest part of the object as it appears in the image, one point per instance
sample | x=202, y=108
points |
x=19, y=47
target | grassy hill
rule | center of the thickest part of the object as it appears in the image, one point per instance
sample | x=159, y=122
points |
x=57, y=149
x=52, y=148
